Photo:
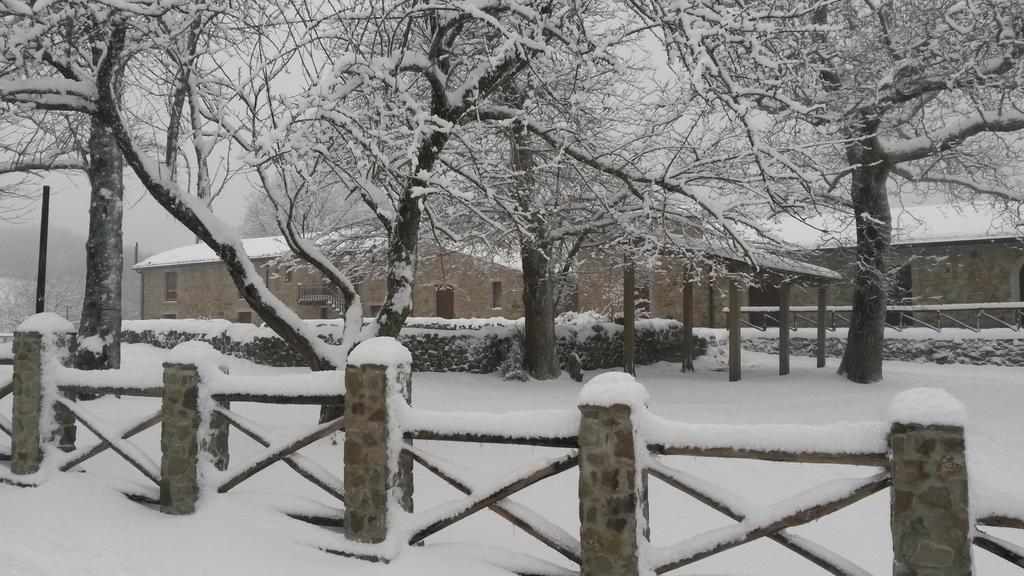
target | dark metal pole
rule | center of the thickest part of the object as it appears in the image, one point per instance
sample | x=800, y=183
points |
x=41, y=273
x=629, y=318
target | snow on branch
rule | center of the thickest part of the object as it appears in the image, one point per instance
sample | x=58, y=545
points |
x=952, y=134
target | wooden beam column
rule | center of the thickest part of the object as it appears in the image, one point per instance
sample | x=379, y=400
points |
x=784, y=328
x=822, y=314
x=687, y=326
x=735, y=303
x=629, y=318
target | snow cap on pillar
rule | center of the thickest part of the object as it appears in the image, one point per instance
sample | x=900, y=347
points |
x=46, y=323
x=613, y=388
x=197, y=353
x=927, y=406
x=381, y=351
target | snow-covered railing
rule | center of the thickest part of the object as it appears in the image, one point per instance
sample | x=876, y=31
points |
x=615, y=441
x=932, y=316
x=196, y=393
x=613, y=437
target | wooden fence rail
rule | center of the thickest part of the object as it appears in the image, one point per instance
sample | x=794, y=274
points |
x=900, y=316
x=611, y=441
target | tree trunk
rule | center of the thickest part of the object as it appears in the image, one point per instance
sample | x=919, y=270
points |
x=99, y=340
x=862, y=361
x=402, y=246
x=539, y=356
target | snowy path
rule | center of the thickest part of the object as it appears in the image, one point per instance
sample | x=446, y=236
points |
x=77, y=525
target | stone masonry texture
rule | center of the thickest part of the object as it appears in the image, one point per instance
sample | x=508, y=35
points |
x=931, y=524
x=368, y=480
x=610, y=495
x=179, y=440
x=26, y=448
x=216, y=443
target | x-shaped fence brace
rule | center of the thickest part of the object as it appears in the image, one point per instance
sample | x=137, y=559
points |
x=547, y=533
x=444, y=516
x=283, y=451
x=118, y=442
x=774, y=528
x=81, y=455
x=1008, y=551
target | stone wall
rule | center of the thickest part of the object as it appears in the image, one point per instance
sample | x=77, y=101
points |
x=480, y=349
x=977, y=350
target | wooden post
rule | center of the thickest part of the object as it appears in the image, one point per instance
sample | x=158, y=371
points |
x=822, y=312
x=179, y=439
x=377, y=478
x=735, y=303
x=930, y=515
x=687, y=327
x=629, y=318
x=612, y=492
x=784, y=328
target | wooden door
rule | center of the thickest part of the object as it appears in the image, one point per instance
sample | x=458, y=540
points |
x=766, y=294
x=445, y=301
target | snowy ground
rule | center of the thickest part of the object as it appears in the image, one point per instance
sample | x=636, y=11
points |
x=77, y=524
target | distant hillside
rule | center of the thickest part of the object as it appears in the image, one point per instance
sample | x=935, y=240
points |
x=18, y=299
x=65, y=272
x=65, y=252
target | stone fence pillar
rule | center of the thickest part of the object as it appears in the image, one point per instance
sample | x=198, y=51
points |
x=38, y=340
x=931, y=521
x=185, y=434
x=377, y=480
x=179, y=439
x=612, y=488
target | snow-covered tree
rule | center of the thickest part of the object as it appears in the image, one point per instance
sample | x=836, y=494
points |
x=855, y=93
x=38, y=141
x=373, y=101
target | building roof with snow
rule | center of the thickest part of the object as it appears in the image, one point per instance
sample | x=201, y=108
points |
x=759, y=258
x=268, y=247
x=912, y=225
x=199, y=253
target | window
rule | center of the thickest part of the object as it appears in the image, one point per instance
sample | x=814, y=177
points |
x=496, y=295
x=900, y=292
x=245, y=317
x=170, y=286
x=169, y=316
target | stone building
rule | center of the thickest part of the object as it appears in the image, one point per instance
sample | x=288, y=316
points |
x=660, y=282
x=940, y=255
x=191, y=282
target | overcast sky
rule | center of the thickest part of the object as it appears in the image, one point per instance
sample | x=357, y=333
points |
x=145, y=221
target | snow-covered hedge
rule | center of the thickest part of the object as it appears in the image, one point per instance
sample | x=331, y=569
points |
x=437, y=345
x=995, y=347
